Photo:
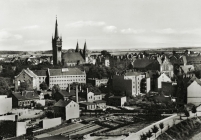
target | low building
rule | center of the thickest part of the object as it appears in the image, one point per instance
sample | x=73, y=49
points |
x=5, y=104
x=24, y=98
x=42, y=75
x=49, y=123
x=66, y=109
x=116, y=101
x=193, y=92
x=97, y=82
x=88, y=105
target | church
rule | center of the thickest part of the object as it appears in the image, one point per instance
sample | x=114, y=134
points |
x=70, y=58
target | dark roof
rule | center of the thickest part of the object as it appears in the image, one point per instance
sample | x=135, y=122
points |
x=100, y=101
x=66, y=71
x=40, y=72
x=130, y=73
x=27, y=95
x=79, y=99
x=143, y=63
x=115, y=97
x=66, y=93
x=62, y=103
x=87, y=103
x=72, y=57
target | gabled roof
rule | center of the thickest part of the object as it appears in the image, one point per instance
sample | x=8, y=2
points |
x=68, y=71
x=40, y=72
x=62, y=103
x=29, y=72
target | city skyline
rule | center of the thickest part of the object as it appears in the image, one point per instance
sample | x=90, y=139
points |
x=29, y=25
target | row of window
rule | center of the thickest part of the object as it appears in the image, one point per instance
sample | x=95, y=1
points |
x=75, y=80
x=67, y=76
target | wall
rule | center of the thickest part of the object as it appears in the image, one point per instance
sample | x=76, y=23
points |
x=163, y=78
x=90, y=97
x=121, y=84
x=167, y=121
x=21, y=128
x=193, y=93
x=5, y=105
x=72, y=110
x=48, y=123
x=42, y=102
x=8, y=117
x=148, y=82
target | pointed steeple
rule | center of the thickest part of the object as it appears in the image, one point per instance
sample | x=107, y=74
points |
x=56, y=34
x=85, y=46
x=85, y=49
x=77, y=47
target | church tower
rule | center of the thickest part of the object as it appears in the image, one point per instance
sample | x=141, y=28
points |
x=56, y=46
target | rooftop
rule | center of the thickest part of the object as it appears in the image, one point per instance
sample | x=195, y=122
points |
x=67, y=71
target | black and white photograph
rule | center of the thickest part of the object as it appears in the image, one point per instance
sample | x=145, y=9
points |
x=100, y=69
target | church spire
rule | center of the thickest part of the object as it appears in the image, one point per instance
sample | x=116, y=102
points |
x=85, y=49
x=56, y=35
x=77, y=47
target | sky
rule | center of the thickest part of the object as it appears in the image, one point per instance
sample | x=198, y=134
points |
x=28, y=25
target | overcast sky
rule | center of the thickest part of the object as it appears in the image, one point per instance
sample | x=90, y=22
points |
x=108, y=24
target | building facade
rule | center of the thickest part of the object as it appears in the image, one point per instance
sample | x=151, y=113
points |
x=193, y=92
x=5, y=104
x=28, y=76
x=163, y=78
x=65, y=76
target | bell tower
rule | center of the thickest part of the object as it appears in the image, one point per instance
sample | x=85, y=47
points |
x=56, y=46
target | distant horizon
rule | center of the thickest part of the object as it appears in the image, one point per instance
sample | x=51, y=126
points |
x=125, y=49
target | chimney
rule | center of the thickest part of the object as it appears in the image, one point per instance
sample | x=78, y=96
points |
x=76, y=90
x=87, y=90
x=69, y=88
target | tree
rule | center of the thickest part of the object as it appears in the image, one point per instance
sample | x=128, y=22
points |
x=55, y=89
x=23, y=86
x=4, y=87
x=186, y=113
x=143, y=137
x=149, y=134
x=43, y=86
x=38, y=106
x=194, y=110
x=161, y=125
x=155, y=129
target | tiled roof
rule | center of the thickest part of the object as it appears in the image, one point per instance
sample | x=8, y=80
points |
x=72, y=57
x=28, y=95
x=68, y=71
x=66, y=93
x=142, y=63
x=115, y=97
x=40, y=72
x=193, y=59
x=87, y=103
x=62, y=103
x=100, y=101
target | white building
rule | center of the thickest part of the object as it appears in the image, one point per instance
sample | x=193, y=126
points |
x=65, y=76
x=194, y=92
x=5, y=104
x=163, y=78
x=136, y=78
x=107, y=62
